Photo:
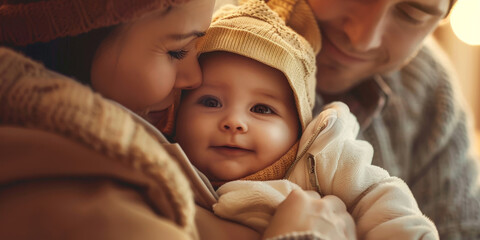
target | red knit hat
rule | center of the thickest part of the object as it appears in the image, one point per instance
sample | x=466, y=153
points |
x=24, y=22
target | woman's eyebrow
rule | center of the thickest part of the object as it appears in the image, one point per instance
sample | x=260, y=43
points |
x=432, y=10
x=179, y=37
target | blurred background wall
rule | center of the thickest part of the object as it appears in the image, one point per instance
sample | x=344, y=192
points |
x=464, y=56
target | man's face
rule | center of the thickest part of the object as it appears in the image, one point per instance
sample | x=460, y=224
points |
x=240, y=120
x=361, y=38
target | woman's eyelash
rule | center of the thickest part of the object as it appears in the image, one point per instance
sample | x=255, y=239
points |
x=179, y=55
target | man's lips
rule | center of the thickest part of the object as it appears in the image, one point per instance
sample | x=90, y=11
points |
x=339, y=55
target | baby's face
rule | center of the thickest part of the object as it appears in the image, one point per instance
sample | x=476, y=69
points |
x=242, y=119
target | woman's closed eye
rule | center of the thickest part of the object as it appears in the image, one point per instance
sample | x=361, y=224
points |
x=262, y=109
x=210, y=102
x=178, y=54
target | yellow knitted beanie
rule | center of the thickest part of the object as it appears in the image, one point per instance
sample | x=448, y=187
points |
x=299, y=16
x=255, y=31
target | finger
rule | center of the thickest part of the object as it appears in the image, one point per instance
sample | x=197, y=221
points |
x=350, y=228
x=338, y=206
x=334, y=203
x=313, y=194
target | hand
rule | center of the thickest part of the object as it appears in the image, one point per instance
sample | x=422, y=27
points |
x=305, y=211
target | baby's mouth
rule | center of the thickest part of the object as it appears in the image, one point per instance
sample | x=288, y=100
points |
x=231, y=147
x=231, y=151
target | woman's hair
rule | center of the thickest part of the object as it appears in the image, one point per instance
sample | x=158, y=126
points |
x=70, y=56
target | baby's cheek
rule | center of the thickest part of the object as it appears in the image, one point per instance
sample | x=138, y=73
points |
x=277, y=141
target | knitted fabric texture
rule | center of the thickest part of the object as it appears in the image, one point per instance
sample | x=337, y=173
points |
x=275, y=171
x=253, y=30
x=25, y=22
x=422, y=137
x=278, y=169
x=299, y=16
x=33, y=97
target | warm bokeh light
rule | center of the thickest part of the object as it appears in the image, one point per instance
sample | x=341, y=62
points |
x=465, y=21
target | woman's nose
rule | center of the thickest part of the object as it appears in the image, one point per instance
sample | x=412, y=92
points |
x=234, y=124
x=366, y=27
x=189, y=74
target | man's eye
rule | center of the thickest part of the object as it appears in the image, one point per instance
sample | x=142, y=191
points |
x=210, y=102
x=261, y=109
x=179, y=55
x=413, y=15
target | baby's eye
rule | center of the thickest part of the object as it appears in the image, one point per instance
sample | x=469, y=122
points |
x=179, y=55
x=210, y=101
x=259, y=108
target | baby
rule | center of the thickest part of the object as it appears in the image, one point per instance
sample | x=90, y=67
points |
x=251, y=120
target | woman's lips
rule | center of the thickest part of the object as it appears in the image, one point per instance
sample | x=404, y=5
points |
x=155, y=116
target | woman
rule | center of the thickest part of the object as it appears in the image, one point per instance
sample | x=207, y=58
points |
x=75, y=165
x=374, y=57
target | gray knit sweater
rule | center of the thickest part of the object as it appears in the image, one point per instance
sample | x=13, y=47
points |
x=422, y=137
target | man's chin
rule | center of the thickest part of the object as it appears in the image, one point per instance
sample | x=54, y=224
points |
x=338, y=85
x=332, y=90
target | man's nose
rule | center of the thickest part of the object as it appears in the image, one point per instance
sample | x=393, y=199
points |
x=366, y=26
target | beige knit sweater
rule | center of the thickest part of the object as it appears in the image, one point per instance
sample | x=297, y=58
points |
x=33, y=97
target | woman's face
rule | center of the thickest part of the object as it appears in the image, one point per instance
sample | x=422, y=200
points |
x=361, y=38
x=144, y=64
